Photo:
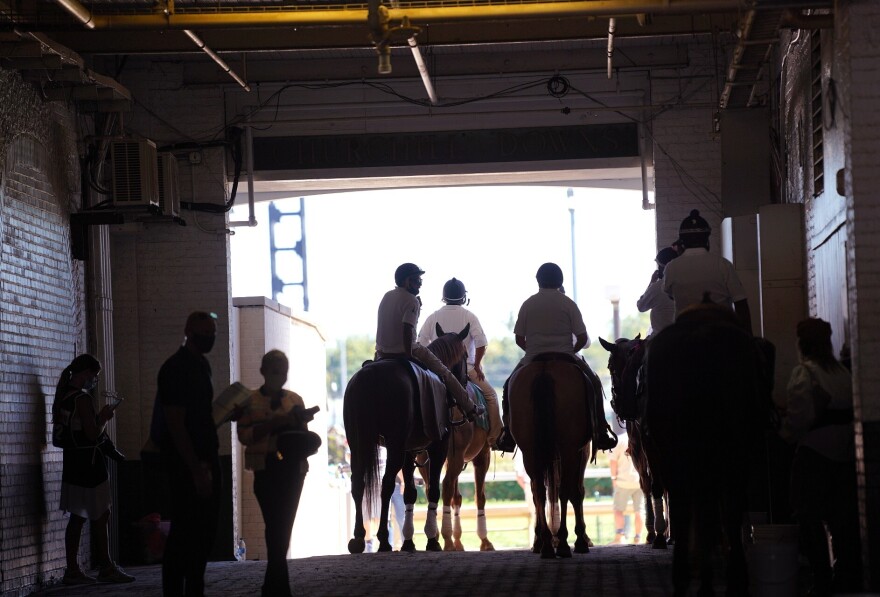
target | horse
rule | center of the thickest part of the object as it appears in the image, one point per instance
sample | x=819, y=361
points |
x=624, y=364
x=550, y=401
x=381, y=404
x=468, y=443
x=706, y=406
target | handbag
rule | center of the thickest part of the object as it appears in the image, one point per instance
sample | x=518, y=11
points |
x=298, y=444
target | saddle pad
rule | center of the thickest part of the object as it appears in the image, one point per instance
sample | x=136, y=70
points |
x=476, y=394
x=432, y=400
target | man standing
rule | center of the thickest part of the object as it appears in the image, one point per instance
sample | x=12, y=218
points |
x=625, y=483
x=697, y=273
x=183, y=429
x=396, y=333
x=454, y=317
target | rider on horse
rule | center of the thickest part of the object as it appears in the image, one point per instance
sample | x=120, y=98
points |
x=396, y=333
x=454, y=316
x=654, y=298
x=545, y=324
x=698, y=273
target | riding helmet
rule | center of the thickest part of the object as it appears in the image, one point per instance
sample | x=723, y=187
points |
x=666, y=255
x=549, y=276
x=454, y=292
x=404, y=271
x=694, y=225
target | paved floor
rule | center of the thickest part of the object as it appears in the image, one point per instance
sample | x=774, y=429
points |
x=606, y=571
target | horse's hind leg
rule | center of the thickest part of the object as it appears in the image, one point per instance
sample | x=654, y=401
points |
x=543, y=534
x=393, y=464
x=481, y=466
x=436, y=454
x=357, y=543
x=410, y=494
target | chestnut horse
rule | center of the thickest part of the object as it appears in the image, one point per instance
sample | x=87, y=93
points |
x=381, y=404
x=625, y=365
x=550, y=402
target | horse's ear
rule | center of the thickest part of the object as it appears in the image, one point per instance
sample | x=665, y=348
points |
x=606, y=344
x=638, y=336
x=465, y=332
x=439, y=330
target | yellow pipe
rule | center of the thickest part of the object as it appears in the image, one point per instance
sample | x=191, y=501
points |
x=584, y=8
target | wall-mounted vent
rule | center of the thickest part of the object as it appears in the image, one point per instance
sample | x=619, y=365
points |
x=135, y=174
x=169, y=190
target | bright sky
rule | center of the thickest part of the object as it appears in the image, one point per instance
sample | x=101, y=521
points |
x=492, y=238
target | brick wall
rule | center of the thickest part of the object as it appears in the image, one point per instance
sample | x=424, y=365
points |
x=858, y=28
x=42, y=327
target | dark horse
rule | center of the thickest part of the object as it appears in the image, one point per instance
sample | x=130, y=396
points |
x=381, y=404
x=624, y=364
x=550, y=403
x=706, y=405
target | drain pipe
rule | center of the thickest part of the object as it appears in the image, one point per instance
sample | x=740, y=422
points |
x=249, y=143
x=423, y=70
x=220, y=62
x=611, y=23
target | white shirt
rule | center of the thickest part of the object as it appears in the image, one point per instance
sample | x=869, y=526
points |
x=697, y=271
x=398, y=306
x=547, y=320
x=454, y=318
x=662, y=307
x=627, y=475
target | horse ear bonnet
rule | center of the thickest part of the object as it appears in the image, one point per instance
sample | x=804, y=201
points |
x=694, y=224
x=453, y=291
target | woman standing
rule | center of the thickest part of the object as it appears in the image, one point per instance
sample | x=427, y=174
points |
x=272, y=426
x=85, y=484
x=819, y=420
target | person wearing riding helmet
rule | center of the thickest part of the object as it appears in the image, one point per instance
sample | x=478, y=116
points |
x=697, y=274
x=453, y=318
x=396, y=333
x=654, y=299
x=546, y=323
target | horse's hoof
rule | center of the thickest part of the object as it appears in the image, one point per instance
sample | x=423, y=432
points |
x=651, y=537
x=536, y=547
x=548, y=553
x=486, y=545
x=563, y=550
x=659, y=542
x=384, y=546
x=459, y=546
x=408, y=545
x=448, y=546
x=433, y=545
x=581, y=546
x=356, y=545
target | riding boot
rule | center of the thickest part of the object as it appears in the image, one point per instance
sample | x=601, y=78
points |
x=603, y=437
x=505, y=442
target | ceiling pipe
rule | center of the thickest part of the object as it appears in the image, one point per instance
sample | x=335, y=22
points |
x=274, y=18
x=423, y=70
x=610, y=44
x=80, y=12
x=220, y=62
x=797, y=20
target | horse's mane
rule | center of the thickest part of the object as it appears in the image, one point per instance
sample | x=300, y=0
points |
x=448, y=348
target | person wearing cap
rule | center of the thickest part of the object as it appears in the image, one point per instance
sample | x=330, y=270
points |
x=697, y=274
x=454, y=317
x=819, y=421
x=654, y=299
x=548, y=322
x=396, y=333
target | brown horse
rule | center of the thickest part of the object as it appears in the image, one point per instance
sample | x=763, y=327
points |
x=706, y=405
x=550, y=403
x=381, y=405
x=624, y=364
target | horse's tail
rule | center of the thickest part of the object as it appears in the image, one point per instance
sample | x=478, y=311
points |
x=546, y=452
x=362, y=433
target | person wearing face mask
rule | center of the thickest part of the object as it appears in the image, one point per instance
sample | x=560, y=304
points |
x=184, y=431
x=272, y=426
x=396, y=333
x=85, y=484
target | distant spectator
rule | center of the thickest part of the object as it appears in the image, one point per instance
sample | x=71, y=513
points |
x=625, y=482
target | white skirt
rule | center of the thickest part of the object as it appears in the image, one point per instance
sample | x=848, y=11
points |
x=86, y=502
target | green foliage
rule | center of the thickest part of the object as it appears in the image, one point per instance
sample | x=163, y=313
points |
x=510, y=491
x=357, y=350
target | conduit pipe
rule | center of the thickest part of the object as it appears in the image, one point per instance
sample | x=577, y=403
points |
x=610, y=44
x=220, y=62
x=423, y=70
x=274, y=18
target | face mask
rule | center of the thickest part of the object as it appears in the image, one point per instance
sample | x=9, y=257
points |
x=203, y=343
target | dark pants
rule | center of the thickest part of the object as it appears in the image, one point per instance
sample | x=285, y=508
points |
x=192, y=533
x=824, y=493
x=278, y=488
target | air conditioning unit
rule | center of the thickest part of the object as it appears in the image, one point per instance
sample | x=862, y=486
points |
x=169, y=190
x=135, y=174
